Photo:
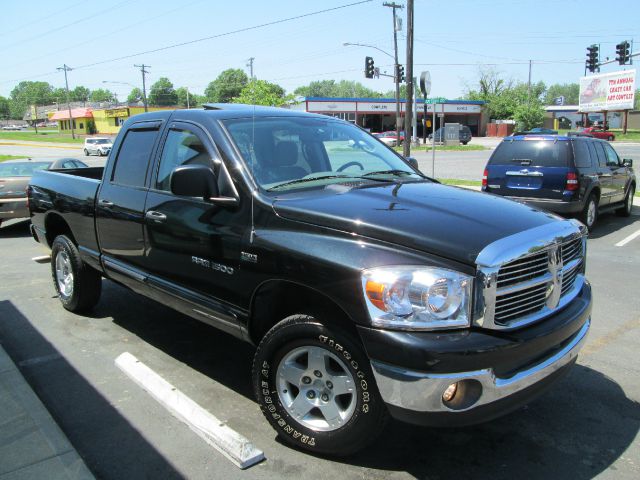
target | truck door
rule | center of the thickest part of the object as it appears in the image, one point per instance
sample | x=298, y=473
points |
x=193, y=246
x=120, y=204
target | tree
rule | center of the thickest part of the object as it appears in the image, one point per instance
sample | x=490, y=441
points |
x=228, y=85
x=162, y=93
x=329, y=88
x=135, y=96
x=528, y=115
x=570, y=92
x=80, y=94
x=4, y=108
x=59, y=95
x=182, y=93
x=102, y=95
x=636, y=103
x=261, y=92
x=26, y=94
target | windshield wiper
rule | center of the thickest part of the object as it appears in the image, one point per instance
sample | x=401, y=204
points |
x=308, y=179
x=389, y=172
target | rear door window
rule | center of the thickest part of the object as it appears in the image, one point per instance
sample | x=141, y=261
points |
x=535, y=153
x=581, y=154
x=133, y=157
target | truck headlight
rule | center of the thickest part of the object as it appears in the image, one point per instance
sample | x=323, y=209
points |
x=417, y=298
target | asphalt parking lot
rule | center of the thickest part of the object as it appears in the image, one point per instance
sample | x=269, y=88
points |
x=586, y=427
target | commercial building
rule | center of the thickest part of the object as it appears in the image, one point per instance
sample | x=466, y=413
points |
x=379, y=114
x=98, y=120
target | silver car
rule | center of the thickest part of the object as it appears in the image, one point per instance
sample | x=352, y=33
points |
x=100, y=146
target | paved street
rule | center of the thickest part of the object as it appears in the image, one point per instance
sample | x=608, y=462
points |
x=587, y=426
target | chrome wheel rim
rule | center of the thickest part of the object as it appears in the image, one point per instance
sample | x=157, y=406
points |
x=316, y=388
x=591, y=213
x=64, y=274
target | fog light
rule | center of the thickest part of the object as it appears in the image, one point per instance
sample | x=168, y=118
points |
x=450, y=392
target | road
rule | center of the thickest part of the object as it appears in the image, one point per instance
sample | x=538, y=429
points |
x=587, y=426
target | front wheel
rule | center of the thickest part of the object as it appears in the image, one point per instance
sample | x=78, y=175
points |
x=86, y=152
x=628, y=203
x=610, y=138
x=590, y=212
x=78, y=285
x=315, y=386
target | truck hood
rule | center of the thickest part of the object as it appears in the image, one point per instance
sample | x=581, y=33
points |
x=447, y=221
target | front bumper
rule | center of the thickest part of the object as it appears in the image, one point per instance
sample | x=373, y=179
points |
x=13, y=208
x=497, y=371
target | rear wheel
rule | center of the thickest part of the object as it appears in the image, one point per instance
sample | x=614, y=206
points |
x=610, y=138
x=590, y=212
x=78, y=285
x=315, y=386
x=86, y=152
x=625, y=211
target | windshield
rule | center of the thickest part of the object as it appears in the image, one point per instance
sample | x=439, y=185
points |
x=294, y=152
x=21, y=169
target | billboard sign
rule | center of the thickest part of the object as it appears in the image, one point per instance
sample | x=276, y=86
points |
x=608, y=91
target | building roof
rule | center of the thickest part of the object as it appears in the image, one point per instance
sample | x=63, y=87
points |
x=75, y=113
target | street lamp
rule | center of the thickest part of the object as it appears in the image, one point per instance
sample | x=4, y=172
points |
x=396, y=80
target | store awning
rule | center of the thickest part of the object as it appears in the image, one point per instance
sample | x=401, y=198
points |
x=75, y=113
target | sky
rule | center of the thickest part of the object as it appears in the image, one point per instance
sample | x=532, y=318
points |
x=453, y=40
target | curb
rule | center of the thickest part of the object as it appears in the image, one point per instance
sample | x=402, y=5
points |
x=32, y=445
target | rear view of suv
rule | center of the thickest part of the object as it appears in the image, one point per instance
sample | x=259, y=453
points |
x=568, y=175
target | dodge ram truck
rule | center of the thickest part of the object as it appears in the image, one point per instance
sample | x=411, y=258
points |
x=368, y=289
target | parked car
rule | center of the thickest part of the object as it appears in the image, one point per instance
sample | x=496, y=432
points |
x=599, y=132
x=570, y=175
x=97, y=145
x=367, y=287
x=14, y=178
x=390, y=138
x=465, y=135
x=12, y=127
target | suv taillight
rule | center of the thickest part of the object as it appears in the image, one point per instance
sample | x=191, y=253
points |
x=572, y=181
x=484, y=178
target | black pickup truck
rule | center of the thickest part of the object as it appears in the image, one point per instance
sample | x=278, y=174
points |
x=368, y=288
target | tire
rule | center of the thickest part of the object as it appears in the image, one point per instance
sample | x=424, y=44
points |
x=86, y=152
x=464, y=143
x=625, y=211
x=299, y=365
x=77, y=284
x=589, y=213
x=610, y=138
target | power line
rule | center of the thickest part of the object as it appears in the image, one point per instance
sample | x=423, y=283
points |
x=232, y=32
x=41, y=19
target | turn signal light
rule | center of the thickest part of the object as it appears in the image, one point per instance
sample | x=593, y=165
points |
x=375, y=293
x=572, y=181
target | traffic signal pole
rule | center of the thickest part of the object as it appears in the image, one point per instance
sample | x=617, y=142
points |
x=395, y=6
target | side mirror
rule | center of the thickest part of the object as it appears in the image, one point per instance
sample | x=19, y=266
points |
x=194, y=181
x=627, y=162
x=413, y=162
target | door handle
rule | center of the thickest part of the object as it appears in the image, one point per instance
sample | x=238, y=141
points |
x=155, y=216
x=106, y=203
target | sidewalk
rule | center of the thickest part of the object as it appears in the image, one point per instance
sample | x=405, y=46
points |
x=32, y=446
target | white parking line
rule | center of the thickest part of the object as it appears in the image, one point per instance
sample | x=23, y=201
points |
x=622, y=243
x=227, y=441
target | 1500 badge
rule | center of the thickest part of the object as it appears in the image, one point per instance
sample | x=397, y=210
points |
x=212, y=265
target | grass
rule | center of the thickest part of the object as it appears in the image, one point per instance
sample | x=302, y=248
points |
x=46, y=136
x=457, y=148
x=10, y=157
x=457, y=181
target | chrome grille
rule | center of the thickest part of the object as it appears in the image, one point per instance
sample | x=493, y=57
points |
x=523, y=283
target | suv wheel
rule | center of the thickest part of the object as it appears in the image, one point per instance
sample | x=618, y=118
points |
x=86, y=152
x=78, y=285
x=610, y=138
x=590, y=212
x=628, y=203
x=315, y=386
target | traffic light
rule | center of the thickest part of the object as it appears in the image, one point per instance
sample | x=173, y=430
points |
x=623, y=52
x=400, y=73
x=593, y=58
x=369, y=68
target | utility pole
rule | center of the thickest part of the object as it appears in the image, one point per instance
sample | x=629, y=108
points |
x=188, y=106
x=395, y=6
x=144, y=84
x=66, y=84
x=409, y=106
x=250, y=65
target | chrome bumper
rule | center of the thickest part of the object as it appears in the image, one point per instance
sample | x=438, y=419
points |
x=422, y=392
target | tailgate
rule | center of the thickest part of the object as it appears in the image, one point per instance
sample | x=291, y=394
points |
x=13, y=187
x=533, y=182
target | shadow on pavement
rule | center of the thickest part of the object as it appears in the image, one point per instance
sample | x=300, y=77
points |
x=610, y=222
x=15, y=229
x=110, y=446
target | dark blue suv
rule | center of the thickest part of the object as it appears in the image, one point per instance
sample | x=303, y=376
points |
x=578, y=176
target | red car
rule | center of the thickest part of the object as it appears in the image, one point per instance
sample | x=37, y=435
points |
x=389, y=138
x=599, y=132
